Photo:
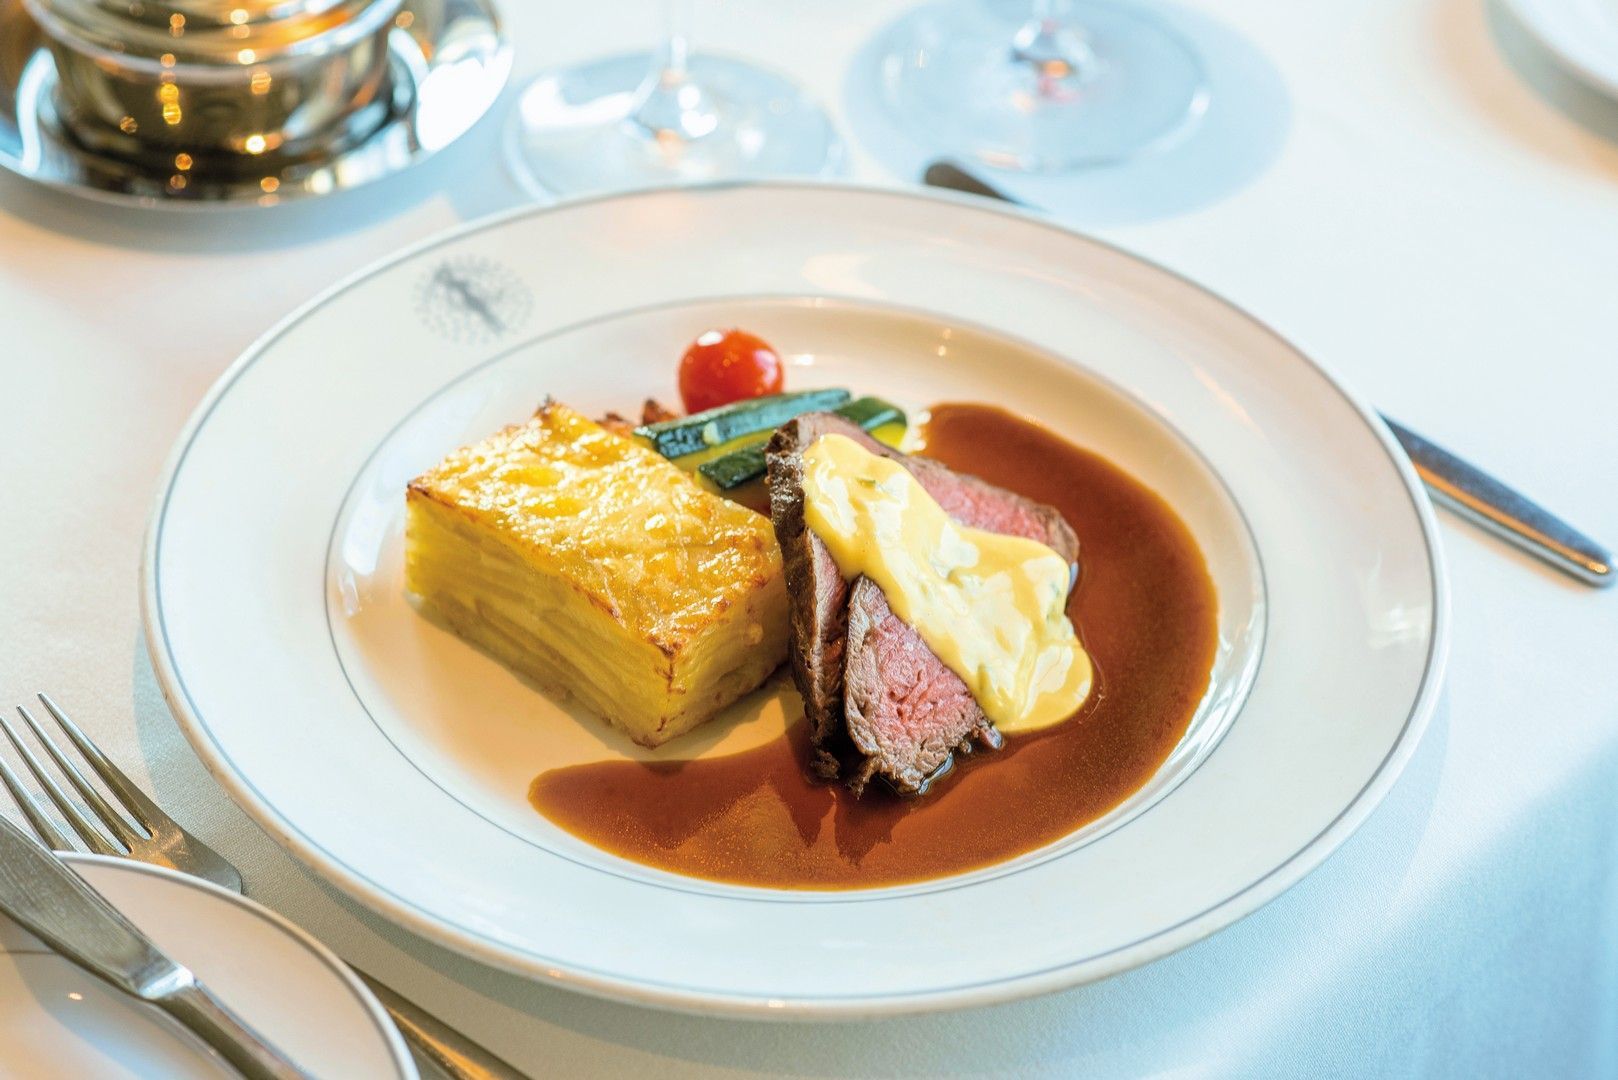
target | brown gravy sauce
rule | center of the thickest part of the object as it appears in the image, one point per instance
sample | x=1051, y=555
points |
x=1145, y=610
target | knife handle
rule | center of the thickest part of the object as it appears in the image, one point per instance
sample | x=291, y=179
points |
x=452, y=1053
x=208, y=1018
x=1482, y=499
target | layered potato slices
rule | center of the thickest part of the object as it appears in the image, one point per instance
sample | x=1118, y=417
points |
x=592, y=565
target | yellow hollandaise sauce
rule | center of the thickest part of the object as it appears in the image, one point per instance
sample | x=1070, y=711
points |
x=991, y=607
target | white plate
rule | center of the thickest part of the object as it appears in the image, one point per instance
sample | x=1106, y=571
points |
x=1582, y=34
x=395, y=759
x=58, y=1021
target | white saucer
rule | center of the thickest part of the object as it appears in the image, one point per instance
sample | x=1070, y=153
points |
x=58, y=1021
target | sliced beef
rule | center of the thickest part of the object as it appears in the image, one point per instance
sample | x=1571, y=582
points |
x=818, y=593
x=877, y=700
x=906, y=712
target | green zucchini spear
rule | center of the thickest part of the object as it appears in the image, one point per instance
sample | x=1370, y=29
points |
x=740, y=466
x=714, y=427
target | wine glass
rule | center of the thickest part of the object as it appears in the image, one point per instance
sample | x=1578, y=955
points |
x=1054, y=85
x=673, y=116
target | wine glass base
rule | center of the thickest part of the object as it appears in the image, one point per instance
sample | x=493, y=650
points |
x=952, y=78
x=574, y=130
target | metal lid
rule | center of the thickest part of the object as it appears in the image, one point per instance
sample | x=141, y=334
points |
x=232, y=32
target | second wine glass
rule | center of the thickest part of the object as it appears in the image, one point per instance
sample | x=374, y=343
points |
x=1042, y=86
x=675, y=116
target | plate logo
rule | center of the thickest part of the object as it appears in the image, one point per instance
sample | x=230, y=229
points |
x=470, y=299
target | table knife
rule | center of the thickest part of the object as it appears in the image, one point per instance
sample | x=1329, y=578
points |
x=1452, y=482
x=55, y=905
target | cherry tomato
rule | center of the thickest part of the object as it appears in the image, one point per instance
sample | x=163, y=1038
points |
x=723, y=366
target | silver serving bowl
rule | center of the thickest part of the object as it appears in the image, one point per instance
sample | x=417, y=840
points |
x=219, y=83
x=447, y=62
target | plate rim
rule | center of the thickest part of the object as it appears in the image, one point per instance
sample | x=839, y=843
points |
x=1250, y=898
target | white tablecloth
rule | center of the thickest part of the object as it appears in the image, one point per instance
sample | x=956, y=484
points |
x=1439, y=225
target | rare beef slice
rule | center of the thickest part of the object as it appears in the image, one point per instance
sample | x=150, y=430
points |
x=877, y=700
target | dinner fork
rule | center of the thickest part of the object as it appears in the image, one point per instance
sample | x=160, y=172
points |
x=156, y=838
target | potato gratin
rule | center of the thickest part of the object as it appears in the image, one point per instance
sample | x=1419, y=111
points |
x=594, y=566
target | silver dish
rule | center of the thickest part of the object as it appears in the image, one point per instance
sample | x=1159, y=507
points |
x=153, y=80
x=448, y=61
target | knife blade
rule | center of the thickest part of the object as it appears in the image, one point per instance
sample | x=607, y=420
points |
x=54, y=904
x=1454, y=483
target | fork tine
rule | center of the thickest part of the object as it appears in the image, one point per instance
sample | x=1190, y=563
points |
x=141, y=808
x=169, y=844
x=48, y=833
x=133, y=799
x=109, y=817
x=82, y=825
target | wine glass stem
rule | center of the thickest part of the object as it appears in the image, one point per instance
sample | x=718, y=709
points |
x=671, y=107
x=677, y=47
